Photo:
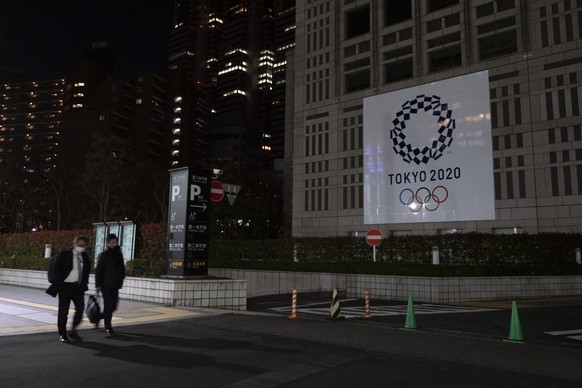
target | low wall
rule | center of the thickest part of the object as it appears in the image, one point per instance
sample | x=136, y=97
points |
x=232, y=292
x=423, y=289
x=217, y=293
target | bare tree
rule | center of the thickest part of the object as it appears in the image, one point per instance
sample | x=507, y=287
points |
x=105, y=176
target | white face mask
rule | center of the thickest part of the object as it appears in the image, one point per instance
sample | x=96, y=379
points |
x=80, y=249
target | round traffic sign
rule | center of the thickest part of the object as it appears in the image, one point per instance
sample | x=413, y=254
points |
x=374, y=237
x=216, y=191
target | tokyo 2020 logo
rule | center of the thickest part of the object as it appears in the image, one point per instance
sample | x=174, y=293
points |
x=424, y=198
x=444, y=115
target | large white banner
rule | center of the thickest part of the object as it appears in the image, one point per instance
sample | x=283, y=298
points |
x=427, y=153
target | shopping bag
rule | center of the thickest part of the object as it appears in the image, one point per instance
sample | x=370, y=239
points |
x=93, y=310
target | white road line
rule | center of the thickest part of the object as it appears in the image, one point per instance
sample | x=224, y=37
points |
x=287, y=308
x=356, y=311
x=564, y=332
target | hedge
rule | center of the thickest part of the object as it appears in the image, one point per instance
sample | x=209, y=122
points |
x=466, y=254
x=33, y=244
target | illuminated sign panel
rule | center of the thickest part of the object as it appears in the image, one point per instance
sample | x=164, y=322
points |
x=188, y=222
x=427, y=153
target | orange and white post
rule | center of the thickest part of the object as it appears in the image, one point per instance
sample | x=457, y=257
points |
x=294, y=305
x=367, y=306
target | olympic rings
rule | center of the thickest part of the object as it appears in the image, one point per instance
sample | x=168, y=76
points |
x=423, y=197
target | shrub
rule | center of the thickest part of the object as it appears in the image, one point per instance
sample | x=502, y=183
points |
x=33, y=244
x=466, y=254
x=24, y=262
x=150, y=257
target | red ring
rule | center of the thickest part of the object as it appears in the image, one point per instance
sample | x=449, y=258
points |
x=436, y=198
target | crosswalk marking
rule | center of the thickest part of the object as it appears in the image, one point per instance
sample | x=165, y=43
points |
x=568, y=333
x=564, y=332
x=358, y=311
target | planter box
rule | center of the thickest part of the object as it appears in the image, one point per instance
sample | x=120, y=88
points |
x=218, y=293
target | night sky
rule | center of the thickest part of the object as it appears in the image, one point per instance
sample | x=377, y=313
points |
x=43, y=37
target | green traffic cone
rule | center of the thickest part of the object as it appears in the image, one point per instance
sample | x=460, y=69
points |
x=515, y=333
x=410, y=318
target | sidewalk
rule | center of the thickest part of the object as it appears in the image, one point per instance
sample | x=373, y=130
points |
x=30, y=310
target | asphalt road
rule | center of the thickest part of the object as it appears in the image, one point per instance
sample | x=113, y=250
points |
x=557, y=320
x=266, y=350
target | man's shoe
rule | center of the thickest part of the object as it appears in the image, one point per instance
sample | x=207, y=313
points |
x=64, y=339
x=110, y=333
x=75, y=336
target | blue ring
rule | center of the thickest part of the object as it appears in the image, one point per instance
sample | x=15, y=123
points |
x=411, y=197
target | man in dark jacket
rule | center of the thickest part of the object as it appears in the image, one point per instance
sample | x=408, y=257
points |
x=109, y=277
x=71, y=276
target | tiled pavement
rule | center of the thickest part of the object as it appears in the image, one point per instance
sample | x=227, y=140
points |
x=27, y=310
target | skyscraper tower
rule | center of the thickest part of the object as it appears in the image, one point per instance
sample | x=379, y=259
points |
x=188, y=96
x=188, y=37
x=226, y=50
x=244, y=87
x=284, y=45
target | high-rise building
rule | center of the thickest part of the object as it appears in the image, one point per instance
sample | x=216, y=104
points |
x=31, y=122
x=188, y=37
x=348, y=50
x=47, y=127
x=131, y=107
x=229, y=52
x=242, y=108
x=284, y=44
x=188, y=93
x=189, y=110
x=282, y=106
x=31, y=115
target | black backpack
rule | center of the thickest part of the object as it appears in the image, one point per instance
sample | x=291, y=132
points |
x=51, y=269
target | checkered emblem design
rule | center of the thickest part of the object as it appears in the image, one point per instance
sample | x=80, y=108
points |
x=445, y=132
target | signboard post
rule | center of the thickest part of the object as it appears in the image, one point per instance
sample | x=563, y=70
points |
x=188, y=219
x=374, y=238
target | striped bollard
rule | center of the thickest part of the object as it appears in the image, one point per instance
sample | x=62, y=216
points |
x=335, y=310
x=294, y=305
x=367, y=306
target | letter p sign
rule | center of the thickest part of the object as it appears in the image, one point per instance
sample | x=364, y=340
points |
x=175, y=192
x=195, y=190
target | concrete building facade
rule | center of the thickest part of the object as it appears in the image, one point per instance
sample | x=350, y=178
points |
x=347, y=50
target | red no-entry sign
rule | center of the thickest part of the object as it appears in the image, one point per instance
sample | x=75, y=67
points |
x=216, y=191
x=374, y=237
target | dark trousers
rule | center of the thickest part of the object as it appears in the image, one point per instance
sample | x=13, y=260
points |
x=70, y=292
x=110, y=299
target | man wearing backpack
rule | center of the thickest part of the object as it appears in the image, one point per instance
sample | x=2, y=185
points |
x=71, y=276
